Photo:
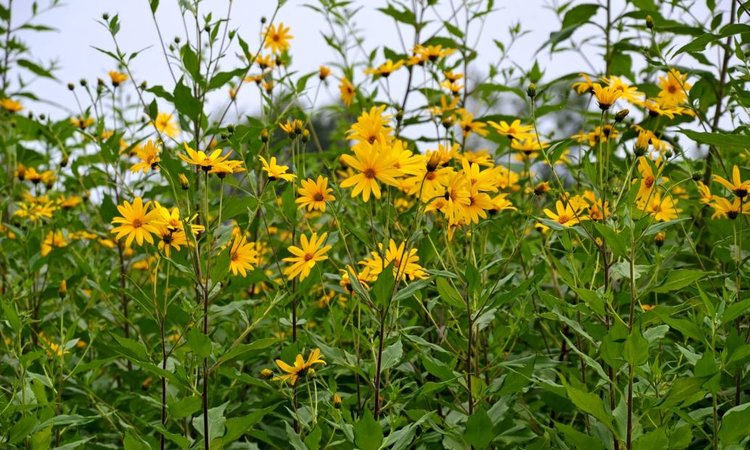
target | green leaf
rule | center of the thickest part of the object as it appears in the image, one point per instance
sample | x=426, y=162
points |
x=368, y=434
x=130, y=348
x=241, y=349
x=383, y=286
x=651, y=440
x=190, y=61
x=698, y=44
x=199, y=343
x=579, y=14
x=735, y=425
x=479, y=429
x=449, y=294
x=723, y=141
x=216, y=422
x=154, y=5
x=678, y=279
x=636, y=348
x=35, y=68
x=735, y=310
x=185, y=102
x=577, y=439
x=684, y=392
x=589, y=403
x=133, y=442
x=404, y=16
x=22, y=428
x=392, y=355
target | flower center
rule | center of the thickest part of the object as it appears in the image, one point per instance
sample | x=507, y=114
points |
x=137, y=223
x=648, y=181
x=318, y=197
x=369, y=173
x=563, y=219
x=308, y=256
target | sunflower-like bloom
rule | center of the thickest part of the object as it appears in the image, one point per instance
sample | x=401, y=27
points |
x=54, y=239
x=405, y=263
x=606, y=96
x=136, y=221
x=275, y=171
x=371, y=126
x=582, y=87
x=514, y=130
x=311, y=251
x=117, y=78
x=301, y=367
x=348, y=91
x=243, y=256
x=166, y=124
x=149, y=157
x=468, y=125
x=203, y=160
x=565, y=214
x=662, y=209
x=10, y=105
x=738, y=187
x=277, y=38
x=674, y=88
x=385, y=69
x=723, y=208
x=374, y=163
x=314, y=194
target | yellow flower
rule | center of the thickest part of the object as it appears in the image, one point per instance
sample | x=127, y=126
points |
x=202, y=160
x=136, y=221
x=432, y=52
x=371, y=126
x=54, y=239
x=405, y=262
x=348, y=91
x=314, y=194
x=117, y=77
x=277, y=38
x=606, y=96
x=514, y=131
x=10, y=105
x=582, y=87
x=301, y=367
x=149, y=157
x=305, y=257
x=166, y=124
x=82, y=122
x=468, y=125
x=648, y=178
x=385, y=69
x=373, y=162
x=705, y=193
x=324, y=72
x=243, y=256
x=292, y=127
x=738, y=187
x=627, y=92
x=674, y=88
x=275, y=171
x=661, y=208
x=724, y=208
x=565, y=214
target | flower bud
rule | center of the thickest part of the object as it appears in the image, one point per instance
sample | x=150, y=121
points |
x=184, y=183
x=697, y=176
x=336, y=401
x=621, y=115
x=62, y=291
x=659, y=239
x=649, y=22
x=264, y=135
x=531, y=90
x=266, y=374
x=71, y=86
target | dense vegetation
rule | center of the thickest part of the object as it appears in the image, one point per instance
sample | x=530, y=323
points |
x=459, y=252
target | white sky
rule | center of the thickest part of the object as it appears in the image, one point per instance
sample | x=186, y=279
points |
x=79, y=30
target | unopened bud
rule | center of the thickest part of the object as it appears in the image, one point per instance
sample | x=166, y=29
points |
x=264, y=135
x=266, y=373
x=71, y=86
x=184, y=183
x=649, y=22
x=531, y=90
x=659, y=239
x=62, y=291
x=621, y=115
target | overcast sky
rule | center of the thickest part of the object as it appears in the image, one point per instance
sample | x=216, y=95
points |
x=79, y=30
